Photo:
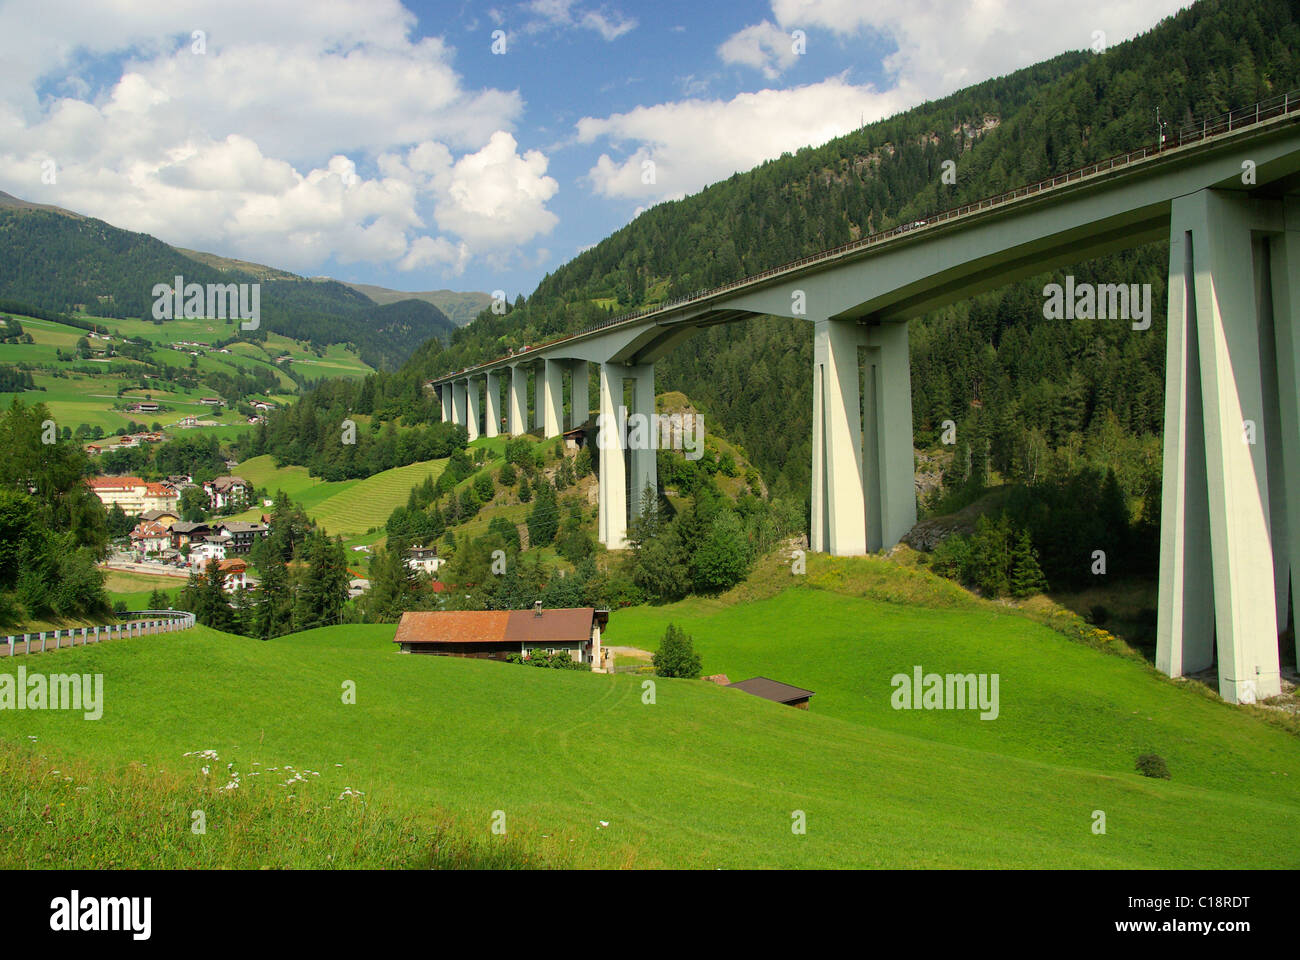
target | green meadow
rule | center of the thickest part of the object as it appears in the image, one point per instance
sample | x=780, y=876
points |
x=346, y=507
x=703, y=776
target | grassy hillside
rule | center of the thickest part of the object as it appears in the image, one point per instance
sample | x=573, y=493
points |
x=346, y=507
x=704, y=776
x=86, y=390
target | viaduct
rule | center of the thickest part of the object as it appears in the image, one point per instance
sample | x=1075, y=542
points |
x=1225, y=193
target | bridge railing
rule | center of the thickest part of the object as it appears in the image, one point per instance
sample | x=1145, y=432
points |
x=1185, y=135
x=135, y=623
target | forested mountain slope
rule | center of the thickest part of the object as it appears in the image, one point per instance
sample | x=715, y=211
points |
x=1016, y=384
x=56, y=261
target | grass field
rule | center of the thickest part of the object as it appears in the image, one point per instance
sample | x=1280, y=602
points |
x=704, y=776
x=347, y=507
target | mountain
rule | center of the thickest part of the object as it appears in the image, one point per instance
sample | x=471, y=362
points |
x=55, y=260
x=1014, y=383
x=460, y=306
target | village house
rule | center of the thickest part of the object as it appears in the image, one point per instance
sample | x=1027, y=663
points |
x=497, y=634
x=164, y=518
x=150, y=538
x=242, y=533
x=144, y=406
x=133, y=495
x=227, y=491
x=423, y=559
x=234, y=575
x=207, y=548
x=184, y=533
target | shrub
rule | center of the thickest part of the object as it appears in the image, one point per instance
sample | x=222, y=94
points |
x=676, y=656
x=1098, y=614
x=1153, y=765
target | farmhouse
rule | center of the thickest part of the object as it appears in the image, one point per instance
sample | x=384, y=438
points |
x=775, y=691
x=496, y=634
x=423, y=559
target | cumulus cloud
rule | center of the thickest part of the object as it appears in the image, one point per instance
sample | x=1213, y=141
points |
x=764, y=46
x=496, y=197
x=664, y=151
x=943, y=46
x=680, y=147
x=249, y=142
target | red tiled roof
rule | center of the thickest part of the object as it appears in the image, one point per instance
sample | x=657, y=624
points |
x=453, y=626
x=114, y=483
x=495, y=626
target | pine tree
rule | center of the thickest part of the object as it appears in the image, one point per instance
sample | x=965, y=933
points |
x=544, y=518
x=1026, y=576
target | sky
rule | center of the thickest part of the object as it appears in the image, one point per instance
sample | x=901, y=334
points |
x=475, y=146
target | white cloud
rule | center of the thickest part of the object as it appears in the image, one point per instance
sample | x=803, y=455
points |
x=252, y=146
x=764, y=46
x=696, y=142
x=943, y=46
x=497, y=198
x=552, y=14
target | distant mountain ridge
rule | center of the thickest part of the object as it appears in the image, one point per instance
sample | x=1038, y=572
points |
x=460, y=306
x=58, y=260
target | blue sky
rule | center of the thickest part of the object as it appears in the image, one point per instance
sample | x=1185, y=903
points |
x=387, y=142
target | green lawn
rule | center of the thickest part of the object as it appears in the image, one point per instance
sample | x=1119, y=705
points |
x=709, y=777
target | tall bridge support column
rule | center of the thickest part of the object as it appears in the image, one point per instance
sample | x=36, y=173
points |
x=472, y=407
x=579, y=394
x=888, y=468
x=1284, y=275
x=613, y=475
x=863, y=487
x=550, y=398
x=1215, y=426
x=839, y=520
x=444, y=401
x=458, y=400
x=517, y=404
x=492, y=408
x=643, y=459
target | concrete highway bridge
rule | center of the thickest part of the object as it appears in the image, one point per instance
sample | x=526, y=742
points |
x=1225, y=193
